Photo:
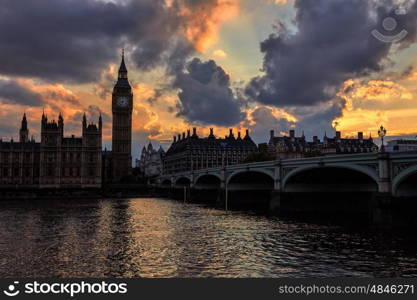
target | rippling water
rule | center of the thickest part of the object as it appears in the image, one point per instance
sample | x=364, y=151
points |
x=164, y=238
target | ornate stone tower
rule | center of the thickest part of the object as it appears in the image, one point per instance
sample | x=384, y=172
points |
x=51, y=151
x=24, y=131
x=122, y=106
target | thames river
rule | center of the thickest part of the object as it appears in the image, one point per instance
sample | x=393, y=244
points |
x=150, y=237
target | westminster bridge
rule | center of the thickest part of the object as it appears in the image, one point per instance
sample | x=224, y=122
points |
x=371, y=183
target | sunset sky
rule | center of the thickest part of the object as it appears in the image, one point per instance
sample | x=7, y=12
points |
x=312, y=65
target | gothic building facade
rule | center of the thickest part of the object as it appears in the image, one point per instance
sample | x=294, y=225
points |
x=150, y=162
x=190, y=152
x=291, y=146
x=57, y=161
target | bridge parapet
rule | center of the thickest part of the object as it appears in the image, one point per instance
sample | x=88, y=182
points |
x=388, y=170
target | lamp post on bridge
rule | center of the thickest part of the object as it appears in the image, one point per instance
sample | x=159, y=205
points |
x=382, y=132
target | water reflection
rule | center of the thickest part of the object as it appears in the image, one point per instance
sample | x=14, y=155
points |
x=163, y=238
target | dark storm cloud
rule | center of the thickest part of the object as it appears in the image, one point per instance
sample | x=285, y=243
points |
x=66, y=40
x=319, y=121
x=74, y=40
x=333, y=43
x=264, y=121
x=206, y=96
x=407, y=21
x=14, y=93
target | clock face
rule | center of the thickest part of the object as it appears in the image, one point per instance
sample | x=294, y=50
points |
x=122, y=102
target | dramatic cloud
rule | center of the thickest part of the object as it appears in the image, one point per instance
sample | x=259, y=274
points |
x=74, y=40
x=60, y=40
x=9, y=122
x=332, y=44
x=370, y=103
x=206, y=96
x=203, y=18
x=263, y=118
x=318, y=120
x=14, y=93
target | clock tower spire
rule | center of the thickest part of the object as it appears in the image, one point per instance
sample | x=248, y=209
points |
x=122, y=107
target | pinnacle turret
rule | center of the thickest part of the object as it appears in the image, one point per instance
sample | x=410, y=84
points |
x=122, y=68
x=122, y=80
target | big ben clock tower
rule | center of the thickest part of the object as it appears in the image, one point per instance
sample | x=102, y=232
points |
x=122, y=106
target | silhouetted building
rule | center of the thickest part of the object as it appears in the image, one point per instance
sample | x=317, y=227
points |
x=286, y=147
x=339, y=145
x=401, y=146
x=59, y=161
x=190, y=152
x=56, y=161
x=20, y=161
x=263, y=147
x=150, y=162
x=122, y=107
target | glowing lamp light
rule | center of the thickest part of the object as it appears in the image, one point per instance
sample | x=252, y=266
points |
x=382, y=132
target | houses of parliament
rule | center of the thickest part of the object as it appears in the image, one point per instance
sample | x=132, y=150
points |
x=58, y=161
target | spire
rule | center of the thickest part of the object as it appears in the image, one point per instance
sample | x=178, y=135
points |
x=123, y=69
x=24, y=132
x=100, y=122
x=61, y=123
x=150, y=146
x=122, y=80
x=44, y=118
x=84, y=121
x=24, y=122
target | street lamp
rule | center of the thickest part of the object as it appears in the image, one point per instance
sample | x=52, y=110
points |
x=382, y=132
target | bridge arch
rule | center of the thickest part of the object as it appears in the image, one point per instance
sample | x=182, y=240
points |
x=201, y=176
x=207, y=181
x=404, y=184
x=166, y=182
x=182, y=181
x=344, y=176
x=253, y=179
